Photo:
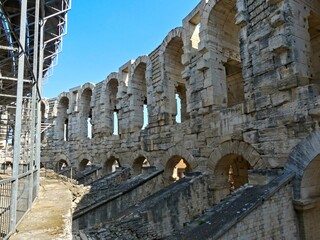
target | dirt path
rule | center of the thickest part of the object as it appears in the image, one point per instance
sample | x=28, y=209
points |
x=50, y=217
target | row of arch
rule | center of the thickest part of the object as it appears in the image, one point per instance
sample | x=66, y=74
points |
x=213, y=27
x=137, y=77
x=231, y=158
x=229, y=162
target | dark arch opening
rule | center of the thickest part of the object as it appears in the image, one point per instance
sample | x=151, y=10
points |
x=175, y=169
x=61, y=165
x=84, y=164
x=230, y=173
x=139, y=164
x=111, y=165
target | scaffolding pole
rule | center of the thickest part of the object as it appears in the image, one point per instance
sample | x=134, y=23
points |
x=34, y=108
x=18, y=118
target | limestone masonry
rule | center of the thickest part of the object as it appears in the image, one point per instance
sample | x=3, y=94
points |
x=229, y=102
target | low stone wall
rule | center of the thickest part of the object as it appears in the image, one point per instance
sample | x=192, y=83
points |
x=158, y=215
x=274, y=219
x=173, y=207
x=99, y=207
x=88, y=176
x=112, y=179
x=252, y=212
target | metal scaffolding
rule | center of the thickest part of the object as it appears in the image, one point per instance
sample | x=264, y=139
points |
x=31, y=33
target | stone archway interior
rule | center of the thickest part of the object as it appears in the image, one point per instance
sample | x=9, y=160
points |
x=176, y=168
x=61, y=165
x=83, y=165
x=230, y=173
x=310, y=184
x=139, y=164
x=111, y=165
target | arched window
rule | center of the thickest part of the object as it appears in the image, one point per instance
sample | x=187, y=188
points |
x=230, y=173
x=86, y=114
x=84, y=164
x=175, y=169
x=111, y=165
x=310, y=184
x=61, y=165
x=139, y=98
x=224, y=35
x=139, y=164
x=176, y=84
x=62, y=119
x=112, y=112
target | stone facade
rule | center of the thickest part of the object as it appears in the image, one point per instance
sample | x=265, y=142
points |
x=246, y=75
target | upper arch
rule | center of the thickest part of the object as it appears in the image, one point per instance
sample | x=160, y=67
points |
x=301, y=156
x=241, y=148
x=174, y=33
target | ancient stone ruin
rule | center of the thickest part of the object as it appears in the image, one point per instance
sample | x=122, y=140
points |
x=213, y=135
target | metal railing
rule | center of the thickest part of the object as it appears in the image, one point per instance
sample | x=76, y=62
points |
x=5, y=200
x=26, y=195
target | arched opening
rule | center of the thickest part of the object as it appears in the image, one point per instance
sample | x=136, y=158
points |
x=111, y=165
x=62, y=119
x=175, y=169
x=176, y=84
x=84, y=164
x=314, y=32
x=61, y=165
x=224, y=35
x=310, y=184
x=139, y=165
x=86, y=114
x=139, y=97
x=112, y=112
x=230, y=173
x=309, y=207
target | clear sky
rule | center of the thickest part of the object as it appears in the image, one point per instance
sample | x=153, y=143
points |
x=105, y=34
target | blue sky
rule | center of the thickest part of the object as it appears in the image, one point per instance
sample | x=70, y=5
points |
x=105, y=34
